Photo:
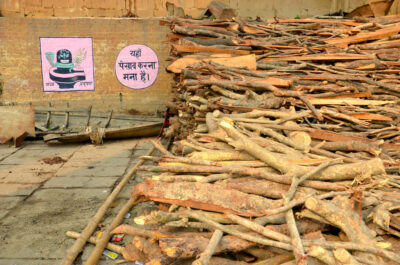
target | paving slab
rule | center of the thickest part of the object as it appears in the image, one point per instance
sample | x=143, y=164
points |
x=144, y=146
x=36, y=229
x=4, y=213
x=29, y=262
x=80, y=182
x=32, y=166
x=7, y=203
x=42, y=145
x=15, y=189
x=6, y=151
x=25, y=156
x=100, y=171
x=24, y=177
x=111, y=161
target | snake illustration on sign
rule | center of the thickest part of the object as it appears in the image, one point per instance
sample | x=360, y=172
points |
x=67, y=64
x=136, y=66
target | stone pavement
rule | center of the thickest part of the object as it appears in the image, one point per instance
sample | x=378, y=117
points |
x=40, y=201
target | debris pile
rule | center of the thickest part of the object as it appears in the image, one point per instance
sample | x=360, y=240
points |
x=287, y=146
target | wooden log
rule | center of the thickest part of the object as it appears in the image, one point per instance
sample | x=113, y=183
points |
x=304, y=226
x=259, y=228
x=262, y=187
x=246, y=61
x=210, y=249
x=322, y=254
x=248, y=171
x=344, y=257
x=343, y=216
x=349, y=146
x=199, y=49
x=337, y=172
x=188, y=247
x=235, y=232
x=317, y=57
x=221, y=155
x=277, y=136
x=151, y=251
x=279, y=259
x=365, y=36
x=134, y=231
x=216, y=261
x=328, y=21
x=249, y=105
x=160, y=217
x=204, y=196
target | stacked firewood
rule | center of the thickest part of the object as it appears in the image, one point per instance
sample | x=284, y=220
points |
x=286, y=146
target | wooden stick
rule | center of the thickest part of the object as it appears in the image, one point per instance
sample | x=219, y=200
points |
x=298, y=250
x=237, y=233
x=94, y=240
x=93, y=223
x=258, y=228
x=209, y=251
x=105, y=236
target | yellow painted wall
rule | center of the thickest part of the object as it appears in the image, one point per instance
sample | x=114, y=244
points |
x=21, y=66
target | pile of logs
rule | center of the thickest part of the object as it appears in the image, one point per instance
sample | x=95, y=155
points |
x=286, y=146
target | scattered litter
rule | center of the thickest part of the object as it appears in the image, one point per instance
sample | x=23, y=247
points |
x=110, y=254
x=117, y=238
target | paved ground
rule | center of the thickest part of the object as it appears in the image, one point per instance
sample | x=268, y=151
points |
x=39, y=201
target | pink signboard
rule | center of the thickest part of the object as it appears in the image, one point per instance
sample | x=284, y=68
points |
x=136, y=66
x=67, y=64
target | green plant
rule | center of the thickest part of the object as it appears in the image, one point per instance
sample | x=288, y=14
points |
x=297, y=17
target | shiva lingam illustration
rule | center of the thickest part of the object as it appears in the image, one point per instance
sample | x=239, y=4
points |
x=64, y=72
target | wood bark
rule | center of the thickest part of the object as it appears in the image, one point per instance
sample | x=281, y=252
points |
x=204, y=196
x=188, y=247
x=210, y=249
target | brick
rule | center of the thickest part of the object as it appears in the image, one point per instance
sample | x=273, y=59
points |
x=60, y=3
x=98, y=12
x=202, y=3
x=143, y=13
x=185, y=4
x=69, y=12
x=9, y=5
x=81, y=182
x=17, y=189
x=106, y=4
x=33, y=3
x=38, y=12
x=47, y=3
x=145, y=4
x=160, y=12
x=6, y=13
x=194, y=12
x=121, y=4
x=160, y=4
